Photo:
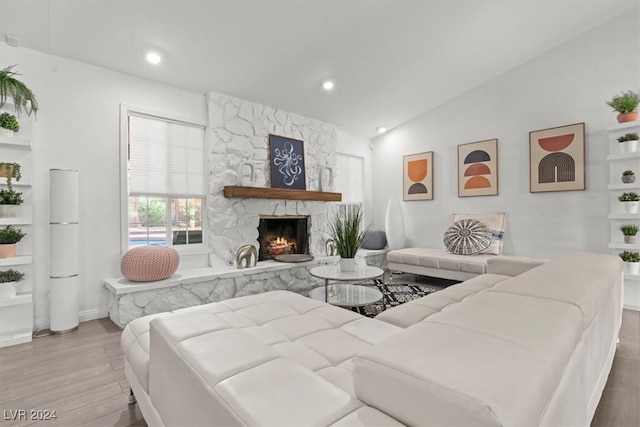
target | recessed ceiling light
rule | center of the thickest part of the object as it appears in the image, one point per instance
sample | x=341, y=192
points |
x=327, y=85
x=153, y=57
x=381, y=129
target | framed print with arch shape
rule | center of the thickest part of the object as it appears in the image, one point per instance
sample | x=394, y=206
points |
x=417, y=176
x=478, y=168
x=286, y=162
x=556, y=159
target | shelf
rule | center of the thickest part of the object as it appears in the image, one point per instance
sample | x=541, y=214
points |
x=625, y=156
x=623, y=126
x=15, y=221
x=24, y=182
x=19, y=299
x=16, y=260
x=624, y=216
x=632, y=186
x=21, y=143
x=233, y=191
x=624, y=246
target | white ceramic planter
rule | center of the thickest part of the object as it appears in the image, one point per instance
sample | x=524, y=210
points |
x=6, y=133
x=8, y=290
x=7, y=211
x=631, y=267
x=348, y=264
x=629, y=239
x=629, y=207
x=629, y=146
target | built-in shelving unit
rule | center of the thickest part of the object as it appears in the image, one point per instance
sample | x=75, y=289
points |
x=236, y=191
x=618, y=163
x=16, y=314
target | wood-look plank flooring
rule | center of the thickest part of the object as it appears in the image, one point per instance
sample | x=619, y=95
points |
x=81, y=376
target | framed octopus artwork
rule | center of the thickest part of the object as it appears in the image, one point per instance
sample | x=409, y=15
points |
x=287, y=163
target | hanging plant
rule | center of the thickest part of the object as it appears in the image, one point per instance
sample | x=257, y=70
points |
x=23, y=97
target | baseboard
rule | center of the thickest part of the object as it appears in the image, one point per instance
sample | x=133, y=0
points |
x=631, y=307
x=42, y=323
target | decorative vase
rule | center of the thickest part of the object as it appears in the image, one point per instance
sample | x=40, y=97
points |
x=242, y=178
x=348, y=264
x=627, y=117
x=8, y=250
x=8, y=289
x=629, y=146
x=7, y=211
x=631, y=267
x=629, y=207
x=326, y=174
x=394, y=224
x=628, y=179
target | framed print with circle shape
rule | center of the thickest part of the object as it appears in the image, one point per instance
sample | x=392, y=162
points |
x=417, y=176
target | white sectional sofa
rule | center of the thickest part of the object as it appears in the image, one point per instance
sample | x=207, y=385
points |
x=495, y=350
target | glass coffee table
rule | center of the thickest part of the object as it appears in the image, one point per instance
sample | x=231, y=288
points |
x=342, y=294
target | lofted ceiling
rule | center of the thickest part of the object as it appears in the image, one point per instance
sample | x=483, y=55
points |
x=390, y=60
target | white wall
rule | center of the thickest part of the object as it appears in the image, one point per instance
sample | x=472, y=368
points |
x=78, y=128
x=567, y=85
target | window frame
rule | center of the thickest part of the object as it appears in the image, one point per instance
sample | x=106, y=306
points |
x=125, y=111
x=362, y=178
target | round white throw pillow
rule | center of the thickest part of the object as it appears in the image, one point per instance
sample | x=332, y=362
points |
x=467, y=237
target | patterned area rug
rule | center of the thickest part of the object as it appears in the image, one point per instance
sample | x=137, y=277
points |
x=393, y=294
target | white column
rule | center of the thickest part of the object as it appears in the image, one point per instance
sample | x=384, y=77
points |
x=63, y=249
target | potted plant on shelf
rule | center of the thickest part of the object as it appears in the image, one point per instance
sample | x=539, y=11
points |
x=346, y=229
x=9, y=237
x=629, y=231
x=626, y=104
x=628, y=177
x=23, y=97
x=628, y=142
x=9, y=199
x=10, y=171
x=9, y=283
x=629, y=202
x=631, y=262
x=9, y=124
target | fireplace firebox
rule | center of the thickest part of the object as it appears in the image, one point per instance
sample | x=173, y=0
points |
x=282, y=235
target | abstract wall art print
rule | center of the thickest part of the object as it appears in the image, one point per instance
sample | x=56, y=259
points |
x=556, y=159
x=286, y=162
x=418, y=176
x=478, y=168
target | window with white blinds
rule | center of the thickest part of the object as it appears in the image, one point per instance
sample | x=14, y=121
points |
x=350, y=178
x=165, y=157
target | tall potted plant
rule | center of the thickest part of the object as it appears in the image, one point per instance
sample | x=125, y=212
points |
x=629, y=202
x=631, y=262
x=9, y=283
x=626, y=104
x=9, y=237
x=346, y=229
x=23, y=97
x=628, y=142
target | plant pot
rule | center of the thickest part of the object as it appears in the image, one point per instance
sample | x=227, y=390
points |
x=628, y=146
x=7, y=211
x=6, y=133
x=348, y=264
x=8, y=251
x=631, y=267
x=629, y=207
x=8, y=290
x=628, y=179
x=627, y=117
x=629, y=239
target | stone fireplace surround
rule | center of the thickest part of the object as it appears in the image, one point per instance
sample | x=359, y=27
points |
x=238, y=134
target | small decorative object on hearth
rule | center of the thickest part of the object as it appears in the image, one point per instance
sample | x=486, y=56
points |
x=631, y=262
x=629, y=202
x=628, y=143
x=626, y=105
x=331, y=247
x=9, y=238
x=149, y=263
x=246, y=257
x=9, y=283
x=346, y=229
x=628, y=177
x=629, y=231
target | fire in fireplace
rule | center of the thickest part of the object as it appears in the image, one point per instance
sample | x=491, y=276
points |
x=282, y=234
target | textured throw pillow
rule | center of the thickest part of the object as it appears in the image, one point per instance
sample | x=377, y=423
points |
x=374, y=239
x=495, y=222
x=467, y=237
